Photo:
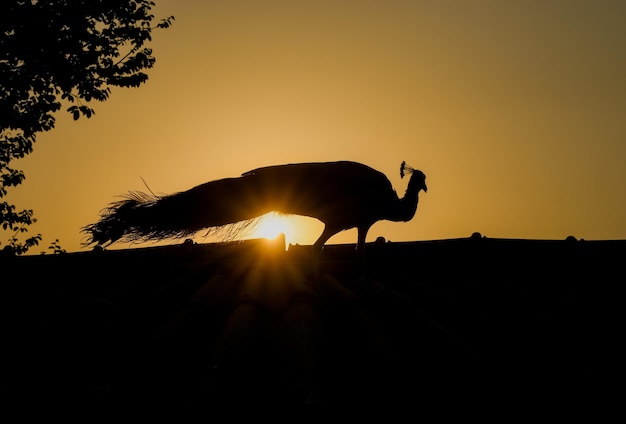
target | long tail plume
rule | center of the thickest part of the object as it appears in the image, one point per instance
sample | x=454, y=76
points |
x=141, y=216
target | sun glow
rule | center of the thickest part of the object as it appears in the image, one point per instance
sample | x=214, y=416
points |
x=272, y=225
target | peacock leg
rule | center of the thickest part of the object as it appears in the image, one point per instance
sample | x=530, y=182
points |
x=323, y=238
x=360, y=244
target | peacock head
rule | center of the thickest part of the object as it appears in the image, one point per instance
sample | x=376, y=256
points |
x=418, y=178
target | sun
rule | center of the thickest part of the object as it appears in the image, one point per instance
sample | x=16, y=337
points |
x=272, y=225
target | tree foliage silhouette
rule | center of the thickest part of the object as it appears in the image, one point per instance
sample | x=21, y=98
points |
x=56, y=52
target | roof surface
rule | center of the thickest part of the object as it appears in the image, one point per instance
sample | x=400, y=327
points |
x=190, y=330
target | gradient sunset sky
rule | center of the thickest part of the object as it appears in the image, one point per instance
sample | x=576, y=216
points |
x=515, y=111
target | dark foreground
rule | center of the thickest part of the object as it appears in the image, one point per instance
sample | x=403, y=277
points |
x=467, y=328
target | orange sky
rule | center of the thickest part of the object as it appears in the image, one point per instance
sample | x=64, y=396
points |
x=515, y=111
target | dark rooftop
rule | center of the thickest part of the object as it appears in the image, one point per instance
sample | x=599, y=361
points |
x=447, y=327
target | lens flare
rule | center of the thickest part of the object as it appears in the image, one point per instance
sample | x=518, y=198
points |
x=272, y=225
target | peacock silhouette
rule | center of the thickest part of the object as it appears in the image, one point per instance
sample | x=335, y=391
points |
x=342, y=195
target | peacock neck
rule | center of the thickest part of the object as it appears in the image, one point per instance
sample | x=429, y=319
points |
x=406, y=207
